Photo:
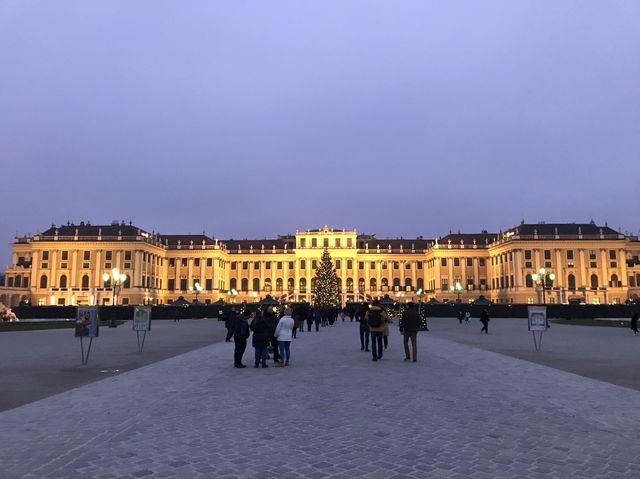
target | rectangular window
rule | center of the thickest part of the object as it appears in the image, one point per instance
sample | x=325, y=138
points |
x=245, y=265
x=469, y=262
x=127, y=265
x=445, y=284
x=325, y=242
x=183, y=284
x=527, y=254
x=196, y=262
x=234, y=265
x=314, y=264
x=407, y=265
x=85, y=265
x=267, y=265
x=127, y=255
x=184, y=262
x=592, y=254
x=303, y=242
x=419, y=264
x=256, y=265
x=208, y=284
x=349, y=242
x=337, y=242
x=396, y=265
x=456, y=261
x=632, y=281
x=86, y=255
x=481, y=261
x=291, y=265
x=65, y=265
x=373, y=265
x=45, y=256
x=171, y=284
x=65, y=255
x=612, y=254
x=303, y=264
x=172, y=262
x=279, y=265
x=338, y=264
x=349, y=264
x=443, y=262
x=209, y=262
x=569, y=254
x=314, y=242
x=547, y=254
x=384, y=265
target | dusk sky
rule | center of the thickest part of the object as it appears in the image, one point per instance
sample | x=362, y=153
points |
x=249, y=119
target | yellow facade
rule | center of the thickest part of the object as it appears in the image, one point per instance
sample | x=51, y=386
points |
x=65, y=266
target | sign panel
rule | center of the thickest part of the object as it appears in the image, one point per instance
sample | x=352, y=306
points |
x=537, y=318
x=141, y=319
x=87, y=323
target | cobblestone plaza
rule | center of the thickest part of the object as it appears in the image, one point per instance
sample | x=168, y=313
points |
x=460, y=411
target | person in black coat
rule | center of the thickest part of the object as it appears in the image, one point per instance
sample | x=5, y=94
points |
x=230, y=323
x=634, y=322
x=260, y=341
x=240, y=336
x=484, y=319
x=272, y=321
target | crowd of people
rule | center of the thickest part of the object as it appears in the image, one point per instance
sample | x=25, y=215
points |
x=272, y=333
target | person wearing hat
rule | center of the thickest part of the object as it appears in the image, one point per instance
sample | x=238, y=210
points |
x=284, y=332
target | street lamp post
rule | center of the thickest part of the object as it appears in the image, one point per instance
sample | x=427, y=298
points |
x=116, y=279
x=457, y=289
x=544, y=279
x=196, y=288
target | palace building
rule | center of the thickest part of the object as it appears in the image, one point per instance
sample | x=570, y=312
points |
x=68, y=265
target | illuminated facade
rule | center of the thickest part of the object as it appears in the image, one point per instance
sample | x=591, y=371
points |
x=65, y=265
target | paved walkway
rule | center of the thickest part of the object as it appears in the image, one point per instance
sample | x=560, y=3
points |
x=459, y=412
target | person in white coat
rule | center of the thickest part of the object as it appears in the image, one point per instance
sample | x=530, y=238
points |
x=284, y=332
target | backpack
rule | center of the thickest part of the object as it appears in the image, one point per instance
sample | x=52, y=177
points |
x=375, y=318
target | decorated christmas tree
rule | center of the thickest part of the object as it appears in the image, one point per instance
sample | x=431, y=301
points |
x=327, y=293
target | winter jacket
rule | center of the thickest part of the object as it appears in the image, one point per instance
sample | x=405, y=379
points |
x=261, y=333
x=383, y=316
x=409, y=321
x=284, y=330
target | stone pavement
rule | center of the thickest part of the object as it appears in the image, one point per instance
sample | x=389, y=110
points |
x=458, y=412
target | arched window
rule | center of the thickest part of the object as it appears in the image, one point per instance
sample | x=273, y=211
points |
x=385, y=282
x=396, y=284
x=279, y=285
x=290, y=285
x=361, y=284
x=256, y=284
x=420, y=284
x=303, y=285
x=25, y=281
x=267, y=284
x=63, y=281
x=43, y=281
x=233, y=284
x=349, y=285
x=313, y=284
x=407, y=284
x=571, y=281
x=244, y=284
x=528, y=281
x=594, y=281
x=373, y=285
x=85, y=281
x=614, y=281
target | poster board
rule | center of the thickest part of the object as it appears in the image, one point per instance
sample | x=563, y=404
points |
x=141, y=319
x=87, y=322
x=537, y=318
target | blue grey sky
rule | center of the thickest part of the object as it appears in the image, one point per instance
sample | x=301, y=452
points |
x=253, y=118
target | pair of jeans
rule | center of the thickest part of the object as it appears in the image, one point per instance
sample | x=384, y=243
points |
x=413, y=337
x=309, y=325
x=364, y=336
x=238, y=352
x=261, y=355
x=285, y=352
x=376, y=344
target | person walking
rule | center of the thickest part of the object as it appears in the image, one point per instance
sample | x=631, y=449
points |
x=385, y=334
x=376, y=319
x=634, y=322
x=467, y=317
x=317, y=319
x=484, y=319
x=260, y=340
x=309, y=318
x=284, y=332
x=460, y=316
x=272, y=322
x=240, y=336
x=409, y=328
x=229, y=323
x=364, y=328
